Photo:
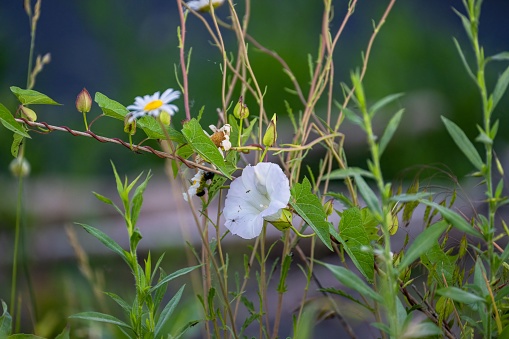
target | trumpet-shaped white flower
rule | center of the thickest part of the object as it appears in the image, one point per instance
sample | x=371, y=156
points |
x=153, y=105
x=259, y=194
x=203, y=5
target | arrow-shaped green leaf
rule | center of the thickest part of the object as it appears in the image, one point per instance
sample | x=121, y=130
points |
x=308, y=207
x=31, y=97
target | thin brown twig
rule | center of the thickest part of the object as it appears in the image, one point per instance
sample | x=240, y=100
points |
x=89, y=134
x=366, y=58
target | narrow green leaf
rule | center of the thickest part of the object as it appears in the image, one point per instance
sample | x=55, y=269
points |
x=422, y=243
x=285, y=267
x=358, y=240
x=121, y=302
x=103, y=198
x=463, y=143
x=310, y=209
x=409, y=197
x=453, y=218
x=184, y=329
x=459, y=295
x=392, y=126
x=101, y=317
x=350, y=280
x=353, y=117
x=8, y=121
x=466, y=24
x=174, y=275
x=348, y=172
x=499, y=57
x=383, y=102
x=368, y=195
x=31, y=97
x=106, y=240
x=479, y=274
x=167, y=312
x=500, y=87
x=423, y=329
x=464, y=60
x=201, y=143
x=137, y=199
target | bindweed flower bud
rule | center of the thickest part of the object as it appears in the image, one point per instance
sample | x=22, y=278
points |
x=28, y=113
x=240, y=111
x=84, y=101
x=328, y=208
x=165, y=118
x=129, y=125
x=284, y=222
x=19, y=167
x=270, y=136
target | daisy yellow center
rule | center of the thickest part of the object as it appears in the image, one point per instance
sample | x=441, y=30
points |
x=154, y=104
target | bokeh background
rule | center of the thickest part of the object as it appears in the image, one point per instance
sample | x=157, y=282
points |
x=126, y=48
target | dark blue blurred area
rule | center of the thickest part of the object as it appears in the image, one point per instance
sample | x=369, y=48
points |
x=128, y=48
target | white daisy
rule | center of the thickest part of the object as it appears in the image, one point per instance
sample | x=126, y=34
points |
x=259, y=194
x=153, y=105
x=203, y=5
x=196, y=182
x=221, y=137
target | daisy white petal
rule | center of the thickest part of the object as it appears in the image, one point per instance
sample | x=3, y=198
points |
x=203, y=5
x=196, y=185
x=259, y=194
x=153, y=105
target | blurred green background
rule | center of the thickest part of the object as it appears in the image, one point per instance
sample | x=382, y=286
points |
x=129, y=48
x=126, y=48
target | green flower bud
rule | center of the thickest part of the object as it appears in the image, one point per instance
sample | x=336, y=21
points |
x=328, y=208
x=19, y=167
x=165, y=118
x=28, y=113
x=270, y=136
x=284, y=222
x=240, y=111
x=129, y=126
x=84, y=101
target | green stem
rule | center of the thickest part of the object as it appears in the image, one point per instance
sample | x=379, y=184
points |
x=240, y=131
x=302, y=235
x=391, y=287
x=16, y=246
x=85, y=120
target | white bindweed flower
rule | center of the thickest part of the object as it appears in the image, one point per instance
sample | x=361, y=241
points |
x=259, y=194
x=203, y=5
x=153, y=105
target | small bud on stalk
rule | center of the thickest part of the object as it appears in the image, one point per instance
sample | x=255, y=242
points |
x=270, y=136
x=28, y=113
x=84, y=104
